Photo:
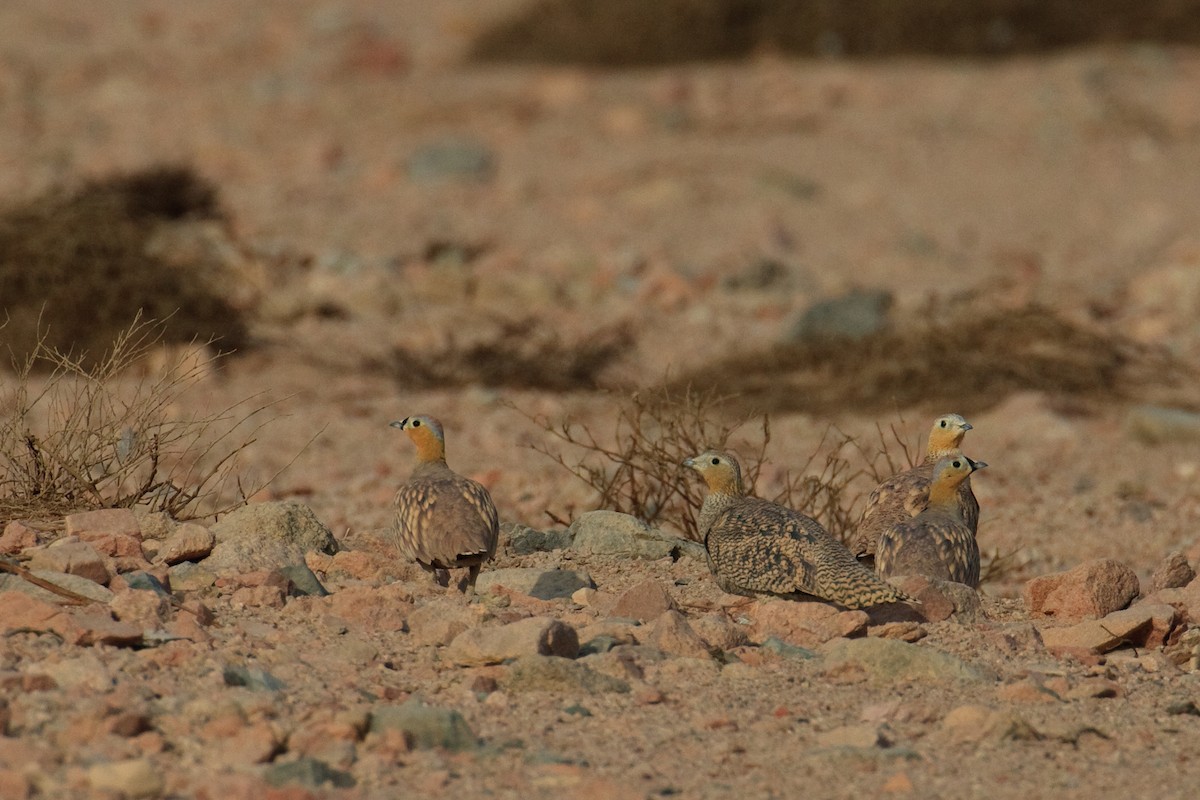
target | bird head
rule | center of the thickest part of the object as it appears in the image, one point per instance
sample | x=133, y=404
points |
x=949, y=473
x=720, y=471
x=946, y=435
x=426, y=434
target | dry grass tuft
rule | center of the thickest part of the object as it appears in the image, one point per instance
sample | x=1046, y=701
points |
x=82, y=434
x=970, y=360
x=637, y=468
x=76, y=267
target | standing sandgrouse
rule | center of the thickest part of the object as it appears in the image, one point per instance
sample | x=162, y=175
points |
x=443, y=520
x=938, y=542
x=906, y=494
x=756, y=547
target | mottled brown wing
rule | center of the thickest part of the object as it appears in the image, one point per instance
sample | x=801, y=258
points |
x=748, y=557
x=968, y=506
x=446, y=522
x=934, y=545
x=900, y=497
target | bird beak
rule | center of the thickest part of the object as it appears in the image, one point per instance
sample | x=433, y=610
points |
x=399, y=423
x=966, y=426
x=689, y=462
x=977, y=464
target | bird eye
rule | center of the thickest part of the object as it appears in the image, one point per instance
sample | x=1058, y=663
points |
x=944, y=423
x=416, y=423
x=716, y=461
x=956, y=464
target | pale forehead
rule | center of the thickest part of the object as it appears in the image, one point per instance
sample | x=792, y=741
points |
x=950, y=419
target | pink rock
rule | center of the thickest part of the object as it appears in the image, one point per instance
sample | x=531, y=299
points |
x=23, y=611
x=672, y=634
x=1186, y=601
x=1144, y=625
x=371, y=608
x=266, y=596
x=114, y=545
x=188, y=542
x=1093, y=589
x=73, y=558
x=646, y=601
x=98, y=627
x=140, y=607
x=106, y=520
x=16, y=537
x=439, y=621
x=806, y=624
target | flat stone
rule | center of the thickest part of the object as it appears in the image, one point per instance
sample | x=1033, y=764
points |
x=804, y=623
x=97, y=626
x=610, y=533
x=544, y=584
x=1132, y=627
x=73, y=558
x=23, y=612
x=188, y=576
x=644, y=601
x=308, y=772
x=426, y=727
x=532, y=636
x=890, y=660
x=553, y=674
x=440, y=620
x=72, y=583
x=520, y=540
x=106, y=520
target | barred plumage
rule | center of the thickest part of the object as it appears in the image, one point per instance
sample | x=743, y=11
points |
x=938, y=542
x=906, y=494
x=443, y=520
x=756, y=547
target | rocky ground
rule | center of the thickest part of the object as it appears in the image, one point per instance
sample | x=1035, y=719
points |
x=392, y=205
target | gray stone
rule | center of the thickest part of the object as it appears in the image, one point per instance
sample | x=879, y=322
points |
x=532, y=636
x=426, y=727
x=145, y=582
x=72, y=583
x=304, y=581
x=773, y=644
x=257, y=679
x=452, y=159
x=544, y=584
x=521, y=540
x=1173, y=573
x=308, y=772
x=189, y=576
x=891, y=660
x=553, y=674
x=852, y=316
x=1155, y=424
x=610, y=533
x=267, y=536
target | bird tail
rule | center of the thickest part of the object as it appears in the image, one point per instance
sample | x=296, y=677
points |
x=854, y=586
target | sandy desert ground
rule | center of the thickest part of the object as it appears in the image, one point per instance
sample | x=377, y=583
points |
x=391, y=196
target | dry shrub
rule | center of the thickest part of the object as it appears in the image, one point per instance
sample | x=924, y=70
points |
x=82, y=435
x=522, y=353
x=638, y=468
x=970, y=360
x=76, y=268
x=636, y=32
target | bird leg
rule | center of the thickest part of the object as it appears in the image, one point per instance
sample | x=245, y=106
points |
x=467, y=585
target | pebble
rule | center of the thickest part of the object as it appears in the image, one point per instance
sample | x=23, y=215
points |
x=550, y=673
x=855, y=315
x=671, y=633
x=189, y=542
x=643, y=601
x=610, y=533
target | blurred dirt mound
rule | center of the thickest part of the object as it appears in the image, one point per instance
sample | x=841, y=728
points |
x=637, y=32
x=77, y=266
x=523, y=354
x=970, y=362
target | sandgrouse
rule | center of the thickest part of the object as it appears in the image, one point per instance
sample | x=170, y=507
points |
x=756, y=547
x=443, y=520
x=906, y=494
x=938, y=542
